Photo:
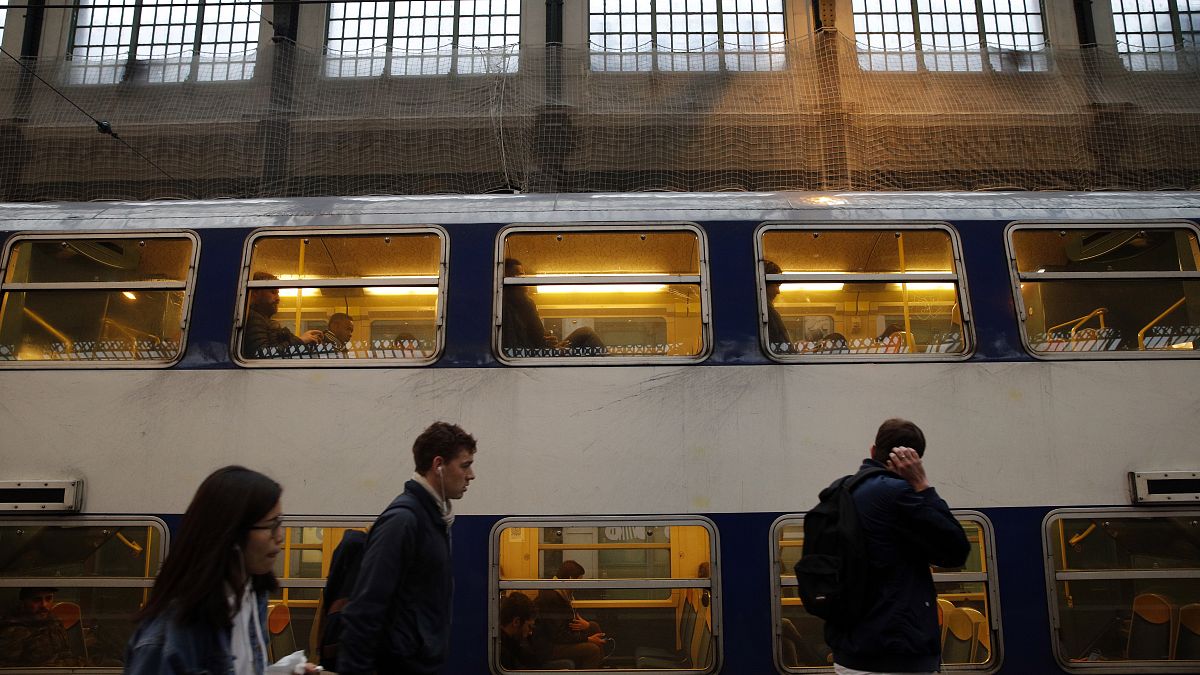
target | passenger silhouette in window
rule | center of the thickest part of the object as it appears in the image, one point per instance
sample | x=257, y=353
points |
x=522, y=332
x=32, y=636
x=263, y=336
x=777, y=333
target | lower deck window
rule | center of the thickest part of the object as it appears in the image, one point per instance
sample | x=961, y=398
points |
x=1125, y=589
x=70, y=589
x=967, y=601
x=595, y=593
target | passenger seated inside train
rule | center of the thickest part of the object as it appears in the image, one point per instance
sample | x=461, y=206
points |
x=777, y=333
x=560, y=631
x=32, y=636
x=516, y=626
x=523, y=330
x=337, y=334
x=263, y=337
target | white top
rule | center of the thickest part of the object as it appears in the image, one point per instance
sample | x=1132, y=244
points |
x=246, y=626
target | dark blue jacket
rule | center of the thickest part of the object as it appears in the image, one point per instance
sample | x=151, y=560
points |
x=163, y=646
x=398, y=620
x=906, y=531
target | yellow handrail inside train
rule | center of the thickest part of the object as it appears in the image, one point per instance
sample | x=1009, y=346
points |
x=67, y=342
x=1076, y=323
x=1152, y=324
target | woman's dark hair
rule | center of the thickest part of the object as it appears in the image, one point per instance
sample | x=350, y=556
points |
x=569, y=570
x=205, y=562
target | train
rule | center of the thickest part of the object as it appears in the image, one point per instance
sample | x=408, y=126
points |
x=705, y=364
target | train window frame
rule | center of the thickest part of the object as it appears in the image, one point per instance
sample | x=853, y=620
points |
x=989, y=578
x=702, y=280
x=245, y=284
x=90, y=582
x=1016, y=277
x=958, y=276
x=1052, y=576
x=712, y=583
x=188, y=286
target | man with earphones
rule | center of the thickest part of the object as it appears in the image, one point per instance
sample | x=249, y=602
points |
x=398, y=618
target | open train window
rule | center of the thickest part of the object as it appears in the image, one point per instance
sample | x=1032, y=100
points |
x=1108, y=290
x=357, y=297
x=1124, y=589
x=968, y=604
x=302, y=569
x=71, y=588
x=873, y=292
x=645, y=593
x=602, y=294
x=96, y=300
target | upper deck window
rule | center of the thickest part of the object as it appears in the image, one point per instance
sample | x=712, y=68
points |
x=659, y=574
x=72, y=588
x=114, y=300
x=188, y=40
x=1156, y=36
x=609, y=293
x=967, y=597
x=427, y=37
x=343, y=298
x=950, y=35
x=684, y=35
x=1125, y=589
x=1107, y=290
x=875, y=292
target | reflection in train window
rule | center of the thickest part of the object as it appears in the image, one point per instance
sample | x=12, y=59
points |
x=1111, y=289
x=968, y=603
x=117, y=300
x=302, y=568
x=605, y=593
x=1126, y=588
x=70, y=588
x=344, y=298
x=616, y=292
x=873, y=292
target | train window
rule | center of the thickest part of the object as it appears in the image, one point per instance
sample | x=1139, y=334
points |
x=302, y=569
x=70, y=588
x=1125, y=588
x=871, y=292
x=606, y=294
x=113, y=300
x=968, y=603
x=613, y=593
x=343, y=298
x=1107, y=290
x=1156, y=36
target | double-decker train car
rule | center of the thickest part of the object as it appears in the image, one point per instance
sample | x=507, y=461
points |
x=660, y=385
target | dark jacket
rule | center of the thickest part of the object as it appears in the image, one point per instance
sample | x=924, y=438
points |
x=906, y=531
x=516, y=655
x=162, y=646
x=265, y=338
x=522, y=328
x=398, y=620
x=553, y=626
x=777, y=332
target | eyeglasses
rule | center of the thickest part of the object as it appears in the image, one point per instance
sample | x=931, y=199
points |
x=275, y=525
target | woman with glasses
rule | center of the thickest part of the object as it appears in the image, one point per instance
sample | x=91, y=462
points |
x=208, y=609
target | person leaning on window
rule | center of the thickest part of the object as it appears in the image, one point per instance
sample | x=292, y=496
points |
x=208, y=607
x=561, y=633
x=523, y=329
x=263, y=336
x=777, y=332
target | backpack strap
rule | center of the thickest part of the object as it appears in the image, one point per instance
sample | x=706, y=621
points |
x=852, y=481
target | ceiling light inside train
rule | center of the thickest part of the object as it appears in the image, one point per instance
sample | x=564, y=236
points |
x=294, y=292
x=787, y=288
x=401, y=290
x=129, y=295
x=601, y=288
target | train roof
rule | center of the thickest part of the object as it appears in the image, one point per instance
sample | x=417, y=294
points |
x=638, y=206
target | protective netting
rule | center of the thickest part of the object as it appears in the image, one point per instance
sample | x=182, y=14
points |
x=816, y=115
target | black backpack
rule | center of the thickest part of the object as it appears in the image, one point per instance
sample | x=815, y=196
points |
x=343, y=573
x=833, y=573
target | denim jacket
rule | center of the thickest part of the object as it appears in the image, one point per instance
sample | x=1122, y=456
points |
x=161, y=645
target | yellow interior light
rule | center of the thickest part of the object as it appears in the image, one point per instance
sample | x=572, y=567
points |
x=786, y=288
x=295, y=292
x=129, y=295
x=929, y=286
x=601, y=288
x=401, y=290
